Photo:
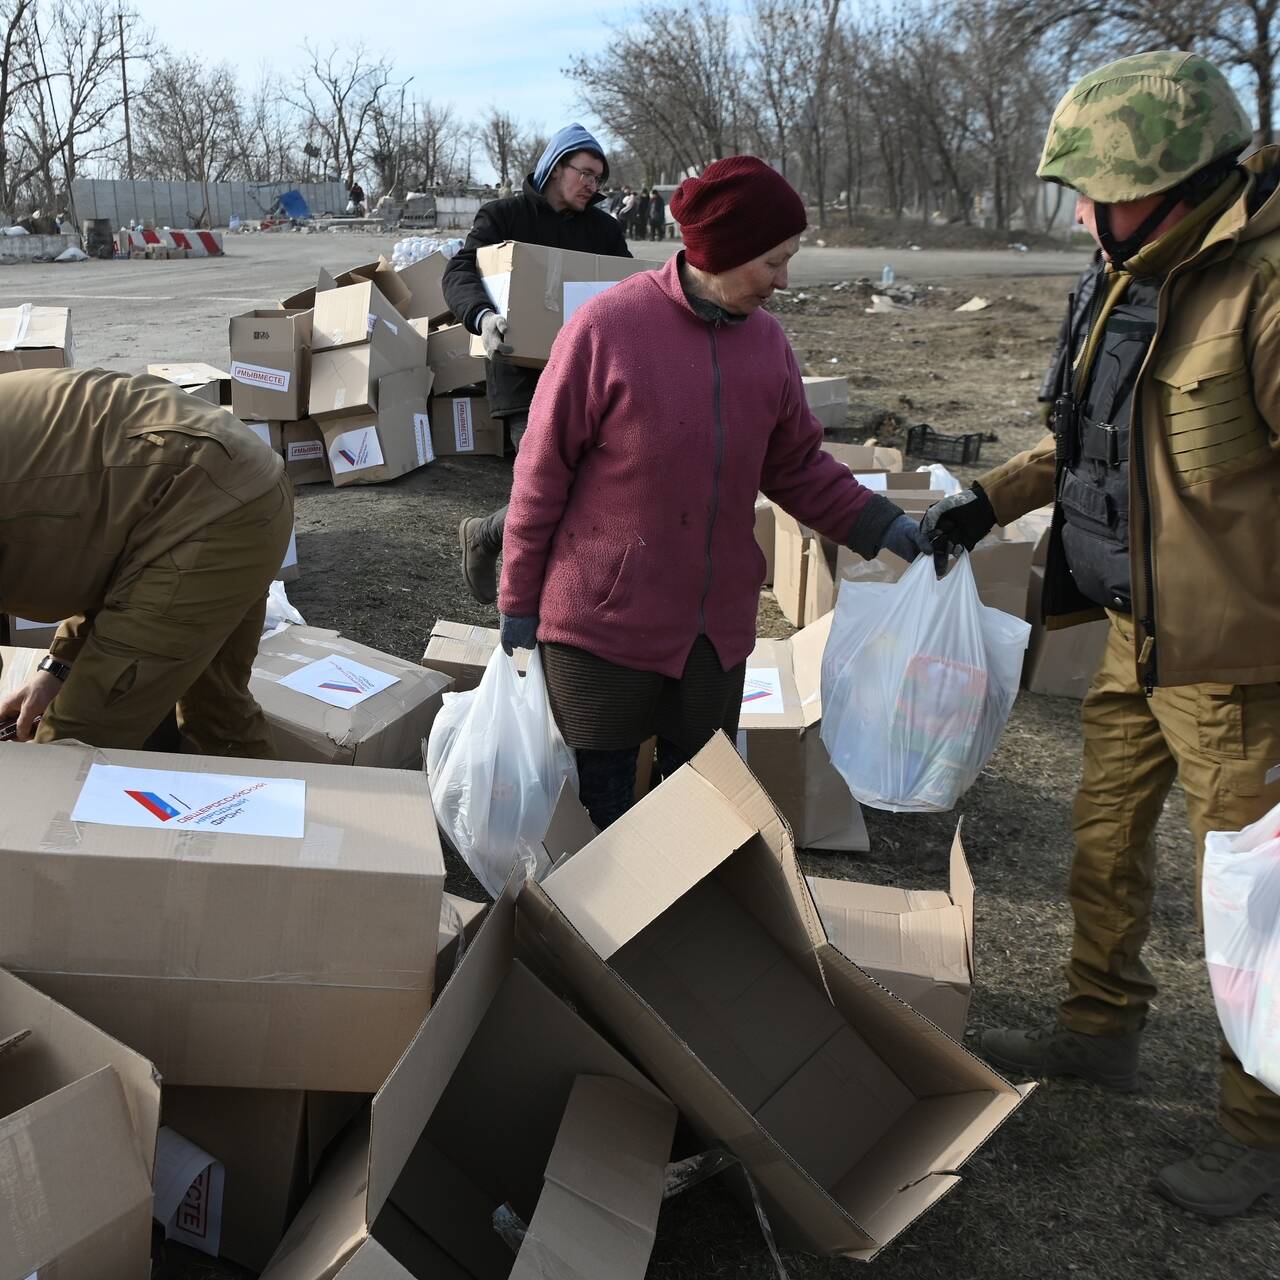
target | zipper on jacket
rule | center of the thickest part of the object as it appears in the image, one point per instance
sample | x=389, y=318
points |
x=715, y=472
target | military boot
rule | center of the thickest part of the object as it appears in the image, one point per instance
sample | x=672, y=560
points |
x=479, y=558
x=1111, y=1061
x=1222, y=1180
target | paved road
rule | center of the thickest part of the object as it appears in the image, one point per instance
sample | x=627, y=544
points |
x=126, y=315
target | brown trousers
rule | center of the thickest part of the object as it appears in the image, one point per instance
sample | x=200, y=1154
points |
x=1219, y=741
x=182, y=631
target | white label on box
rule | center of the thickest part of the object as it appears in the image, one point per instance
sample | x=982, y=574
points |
x=355, y=451
x=261, y=430
x=187, y=1199
x=422, y=438
x=258, y=375
x=160, y=800
x=464, y=436
x=576, y=292
x=291, y=552
x=762, y=692
x=372, y=324
x=341, y=682
x=876, y=480
x=498, y=287
x=304, y=450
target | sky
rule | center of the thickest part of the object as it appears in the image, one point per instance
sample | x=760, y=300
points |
x=512, y=58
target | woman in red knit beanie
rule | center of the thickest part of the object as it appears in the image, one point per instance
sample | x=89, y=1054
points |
x=669, y=401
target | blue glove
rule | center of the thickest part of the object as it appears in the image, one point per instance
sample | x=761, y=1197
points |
x=904, y=538
x=518, y=633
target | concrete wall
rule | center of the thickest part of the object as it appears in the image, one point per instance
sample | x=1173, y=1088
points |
x=33, y=248
x=179, y=204
x=456, y=211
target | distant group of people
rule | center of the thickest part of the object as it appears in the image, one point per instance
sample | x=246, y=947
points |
x=643, y=213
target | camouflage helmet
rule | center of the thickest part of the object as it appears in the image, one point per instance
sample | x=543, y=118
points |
x=1142, y=125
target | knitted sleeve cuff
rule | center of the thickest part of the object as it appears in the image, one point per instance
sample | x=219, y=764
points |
x=870, y=527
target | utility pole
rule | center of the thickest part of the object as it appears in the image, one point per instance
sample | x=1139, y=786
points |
x=124, y=81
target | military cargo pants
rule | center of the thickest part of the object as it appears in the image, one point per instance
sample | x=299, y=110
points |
x=1219, y=741
x=182, y=631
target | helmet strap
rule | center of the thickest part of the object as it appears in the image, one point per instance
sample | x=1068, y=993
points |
x=1120, y=251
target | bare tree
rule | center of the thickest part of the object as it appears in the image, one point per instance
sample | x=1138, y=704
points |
x=188, y=124
x=499, y=135
x=338, y=97
x=268, y=138
x=19, y=76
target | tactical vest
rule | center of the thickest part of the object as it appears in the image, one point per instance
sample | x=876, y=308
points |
x=1093, y=488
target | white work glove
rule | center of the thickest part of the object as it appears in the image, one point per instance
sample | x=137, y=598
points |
x=493, y=328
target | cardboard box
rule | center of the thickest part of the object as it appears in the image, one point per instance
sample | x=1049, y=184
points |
x=462, y=651
x=270, y=433
x=228, y=959
x=353, y=313
x=374, y=448
x=462, y=425
x=460, y=920
x=306, y=460
x=203, y=381
x=688, y=932
x=539, y=288
x=505, y=1097
x=269, y=365
x=26, y=633
x=865, y=457
x=78, y=1120
x=34, y=337
x=1062, y=662
x=449, y=357
x=305, y=299
x=779, y=736
x=385, y=730
x=790, y=565
x=344, y=381
x=269, y=1142
x=828, y=400
x=766, y=534
x=289, y=570
x=424, y=279
x=918, y=943
x=383, y=276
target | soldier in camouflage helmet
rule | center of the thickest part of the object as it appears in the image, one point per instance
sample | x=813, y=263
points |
x=1172, y=365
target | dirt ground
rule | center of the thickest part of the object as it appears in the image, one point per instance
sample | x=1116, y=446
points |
x=1062, y=1189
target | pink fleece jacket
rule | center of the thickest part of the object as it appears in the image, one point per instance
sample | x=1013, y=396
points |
x=631, y=528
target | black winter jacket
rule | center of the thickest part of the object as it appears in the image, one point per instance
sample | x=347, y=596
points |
x=527, y=217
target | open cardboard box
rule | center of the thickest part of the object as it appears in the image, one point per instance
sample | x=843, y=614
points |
x=689, y=933
x=385, y=730
x=1060, y=662
x=33, y=337
x=918, y=943
x=504, y=1097
x=228, y=959
x=78, y=1120
x=269, y=1143
x=371, y=448
x=270, y=364
x=203, y=381
x=828, y=400
x=779, y=736
x=462, y=650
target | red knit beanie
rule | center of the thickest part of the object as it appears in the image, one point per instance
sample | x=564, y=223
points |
x=739, y=209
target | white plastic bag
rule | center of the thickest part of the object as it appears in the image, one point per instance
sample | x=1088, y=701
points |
x=496, y=763
x=1241, y=893
x=942, y=479
x=280, y=613
x=918, y=680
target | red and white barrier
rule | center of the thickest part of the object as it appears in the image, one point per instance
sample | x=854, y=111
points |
x=199, y=244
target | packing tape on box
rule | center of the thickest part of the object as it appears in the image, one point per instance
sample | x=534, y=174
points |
x=553, y=299
x=61, y=835
x=21, y=323
x=321, y=845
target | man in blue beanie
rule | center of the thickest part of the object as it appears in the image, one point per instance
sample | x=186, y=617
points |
x=557, y=207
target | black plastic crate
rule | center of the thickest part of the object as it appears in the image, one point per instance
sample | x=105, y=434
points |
x=924, y=442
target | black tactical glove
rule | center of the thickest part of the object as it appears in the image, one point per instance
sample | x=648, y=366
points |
x=962, y=520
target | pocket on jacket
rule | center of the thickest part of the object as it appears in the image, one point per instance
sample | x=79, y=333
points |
x=1220, y=720
x=1210, y=424
x=1086, y=503
x=619, y=592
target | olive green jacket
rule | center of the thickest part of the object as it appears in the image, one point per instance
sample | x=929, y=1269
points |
x=1204, y=470
x=101, y=474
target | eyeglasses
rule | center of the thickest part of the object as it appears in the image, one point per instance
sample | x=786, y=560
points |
x=589, y=176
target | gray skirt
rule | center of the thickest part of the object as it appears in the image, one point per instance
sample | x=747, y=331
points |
x=601, y=706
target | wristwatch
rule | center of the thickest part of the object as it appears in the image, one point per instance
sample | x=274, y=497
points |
x=60, y=670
